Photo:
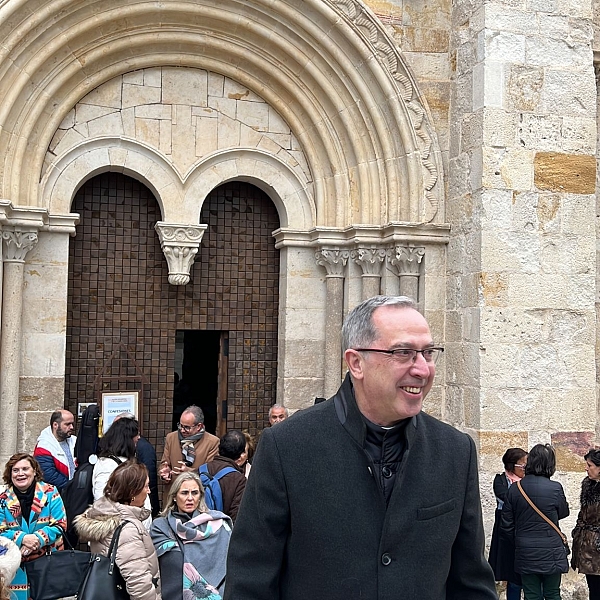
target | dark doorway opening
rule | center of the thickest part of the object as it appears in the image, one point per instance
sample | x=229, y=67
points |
x=199, y=375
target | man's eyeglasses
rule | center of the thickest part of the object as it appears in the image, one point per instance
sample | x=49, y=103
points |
x=408, y=355
x=186, y=428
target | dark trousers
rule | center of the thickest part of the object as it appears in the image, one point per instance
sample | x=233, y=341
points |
x=513, y=591
x=593, y=582
x=541, y=587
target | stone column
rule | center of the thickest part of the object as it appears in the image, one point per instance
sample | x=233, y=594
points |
x=405, y=262
x=180, y=245
x=334, y=260
x=16, y=245
x=370, y=261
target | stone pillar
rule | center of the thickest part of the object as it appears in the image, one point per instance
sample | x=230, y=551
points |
x=16, y=245
x=370, y=261
x=334, y=260
x=405, y=262
x=180, y=245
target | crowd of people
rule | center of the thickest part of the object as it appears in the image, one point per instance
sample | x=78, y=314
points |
x=528, y=550
x=180, y=553
x=361, y=496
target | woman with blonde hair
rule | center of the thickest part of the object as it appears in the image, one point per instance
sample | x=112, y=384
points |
x=191, y=542
x=123, y=501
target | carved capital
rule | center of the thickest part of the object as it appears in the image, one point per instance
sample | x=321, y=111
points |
x=405, y=260
x=17, y=244
x=333, y=259
x=180, y=244
x=369, y=259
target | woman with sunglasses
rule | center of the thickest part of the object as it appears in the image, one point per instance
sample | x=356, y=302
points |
x=502, y=552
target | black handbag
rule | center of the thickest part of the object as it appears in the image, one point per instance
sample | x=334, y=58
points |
x=103, y=580
x=57, y=574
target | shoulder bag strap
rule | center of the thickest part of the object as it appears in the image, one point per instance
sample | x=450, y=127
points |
x=112, y=550
x=563, y=537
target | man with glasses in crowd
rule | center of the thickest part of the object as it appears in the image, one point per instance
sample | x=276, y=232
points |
x=364, y=495
x=187, y=448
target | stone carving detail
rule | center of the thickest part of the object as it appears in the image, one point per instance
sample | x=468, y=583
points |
x=180, y=244
x=17, y=244
x=406, y=260
x=333, y=259
x=369, y=259
x=375, y=36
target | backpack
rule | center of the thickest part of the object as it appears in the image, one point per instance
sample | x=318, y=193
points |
x=78, y=494
x=212, y=489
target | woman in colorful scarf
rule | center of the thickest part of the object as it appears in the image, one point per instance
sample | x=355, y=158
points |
x=191, y=542
x=31, y=515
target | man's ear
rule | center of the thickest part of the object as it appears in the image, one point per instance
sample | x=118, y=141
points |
x=355, y=363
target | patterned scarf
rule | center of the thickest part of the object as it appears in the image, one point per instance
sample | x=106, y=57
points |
x=203, y=540
x=188, y=449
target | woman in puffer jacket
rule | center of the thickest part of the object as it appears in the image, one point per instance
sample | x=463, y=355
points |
x=540, y=555
x=123, y=500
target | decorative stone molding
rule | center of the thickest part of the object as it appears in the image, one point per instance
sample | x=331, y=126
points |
x=406, y=260
x=17, y=244
x=369, y=259
x=375, y=36
x=180, y=244
x=333, y=259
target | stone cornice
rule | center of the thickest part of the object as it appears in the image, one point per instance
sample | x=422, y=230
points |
x=34, y=218
x=365, y=235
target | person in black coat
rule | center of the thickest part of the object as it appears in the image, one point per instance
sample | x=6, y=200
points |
x=365, y=496
x=540, y=555
x=502, y=551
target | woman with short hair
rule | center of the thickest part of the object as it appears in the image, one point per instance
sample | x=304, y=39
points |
x=540, y=554
x=191, y=542
x=31, y=515
x=586, y=535
x=123, y=500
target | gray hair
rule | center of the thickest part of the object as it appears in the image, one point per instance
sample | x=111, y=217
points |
x=125, y=415
x=174, y=489
x=287, y=412
x=197, y=412
x=358, y=330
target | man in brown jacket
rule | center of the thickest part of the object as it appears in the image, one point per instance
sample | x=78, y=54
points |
x=187, y=448
x=233, y=484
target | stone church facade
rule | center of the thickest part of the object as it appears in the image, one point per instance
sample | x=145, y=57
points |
x=255, y=169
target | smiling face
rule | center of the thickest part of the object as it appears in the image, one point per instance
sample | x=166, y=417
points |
x=387, y=391
x=188, y=496
x=22, y=475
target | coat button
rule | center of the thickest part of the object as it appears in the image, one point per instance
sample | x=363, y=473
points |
x=386, y=472
x=386, y=559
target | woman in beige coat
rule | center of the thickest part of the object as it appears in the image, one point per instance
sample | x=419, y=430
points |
x=123, y=500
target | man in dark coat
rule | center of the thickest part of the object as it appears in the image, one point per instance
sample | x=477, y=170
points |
x=364, y=496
